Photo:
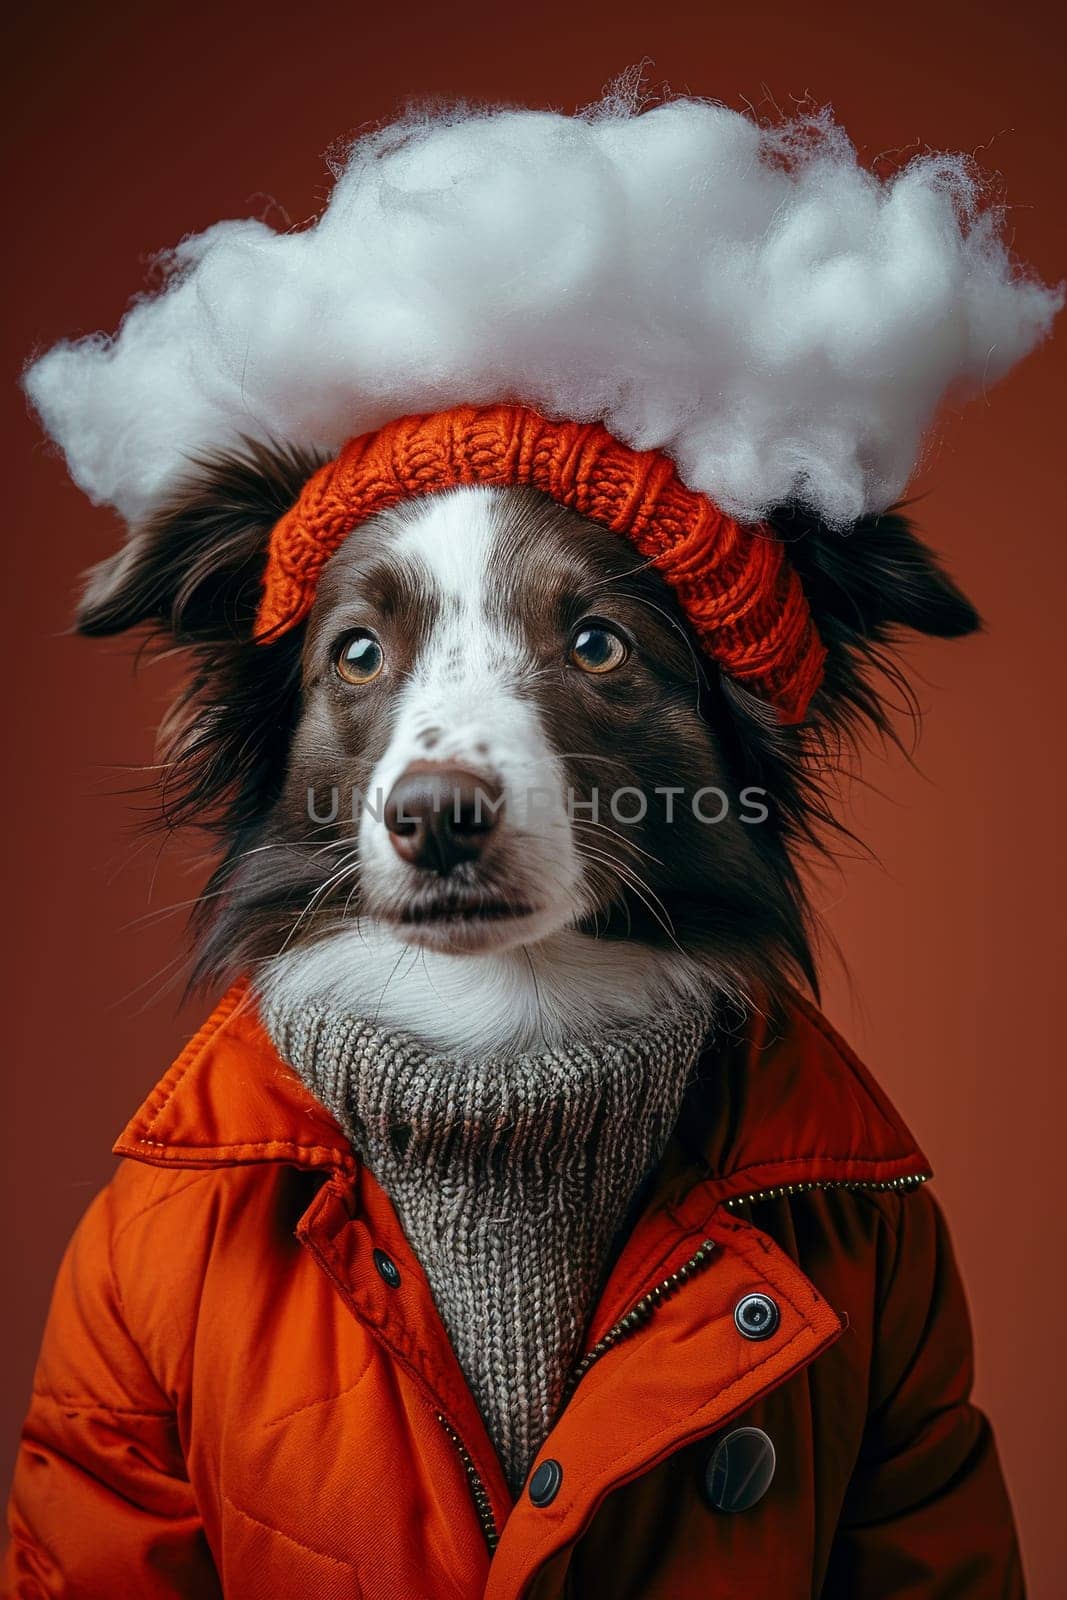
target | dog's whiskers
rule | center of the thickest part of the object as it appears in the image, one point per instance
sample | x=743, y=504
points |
x=414, y=951
x=349, y=866
x=643, y=890
x=630, y=844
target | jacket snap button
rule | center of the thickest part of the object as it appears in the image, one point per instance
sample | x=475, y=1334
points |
x=756, y=1316
x=388, y=1269
x=544, y=1485
x=739, y=1470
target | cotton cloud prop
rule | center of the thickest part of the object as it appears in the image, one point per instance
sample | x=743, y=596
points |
x=748, y=299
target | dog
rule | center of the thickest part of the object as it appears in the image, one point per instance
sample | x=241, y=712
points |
x=490, y=792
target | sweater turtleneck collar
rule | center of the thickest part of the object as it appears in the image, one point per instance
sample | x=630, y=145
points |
x=510, y=1178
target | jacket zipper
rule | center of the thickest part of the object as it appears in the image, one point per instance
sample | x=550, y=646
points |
x=479, y=1493
x=627, y=1325
x=642, y=1310
x=911, y=1181
x=638, y=1315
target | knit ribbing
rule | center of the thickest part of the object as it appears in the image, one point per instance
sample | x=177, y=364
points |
x=510, y=1179
x=735, y=583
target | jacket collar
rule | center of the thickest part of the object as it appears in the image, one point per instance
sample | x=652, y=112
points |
x=785, y=1104
x=229, y=1100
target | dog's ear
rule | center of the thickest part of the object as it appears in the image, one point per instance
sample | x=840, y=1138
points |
x=193, y=571
x=877, y=577
x=865, y=587
x=192, y=575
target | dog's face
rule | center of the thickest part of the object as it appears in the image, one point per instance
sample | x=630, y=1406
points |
x=503, y=727
x=491, y=774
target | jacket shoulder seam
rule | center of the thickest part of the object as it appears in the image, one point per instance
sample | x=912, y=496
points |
x=191, y=1180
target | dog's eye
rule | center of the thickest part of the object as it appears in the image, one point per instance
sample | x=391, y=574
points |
x=359, y=657
x=596, y=648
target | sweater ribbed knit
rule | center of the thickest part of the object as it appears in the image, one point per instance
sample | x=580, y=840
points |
x=510, y=1179
x=744, y=598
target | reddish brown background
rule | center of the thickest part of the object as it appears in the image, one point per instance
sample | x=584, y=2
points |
x=133, y=126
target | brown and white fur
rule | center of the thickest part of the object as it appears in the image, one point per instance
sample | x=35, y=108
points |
x=559, y=909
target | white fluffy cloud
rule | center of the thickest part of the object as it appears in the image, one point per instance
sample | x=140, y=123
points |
x=750, y=300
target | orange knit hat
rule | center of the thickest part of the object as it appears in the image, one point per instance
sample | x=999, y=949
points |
x=735, y=584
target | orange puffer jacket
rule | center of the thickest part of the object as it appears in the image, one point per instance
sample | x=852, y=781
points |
x=245, y=1388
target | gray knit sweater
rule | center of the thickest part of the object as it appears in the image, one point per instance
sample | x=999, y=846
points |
x=510, y=1179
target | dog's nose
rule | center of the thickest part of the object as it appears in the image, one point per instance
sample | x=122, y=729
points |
x=438, y=816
